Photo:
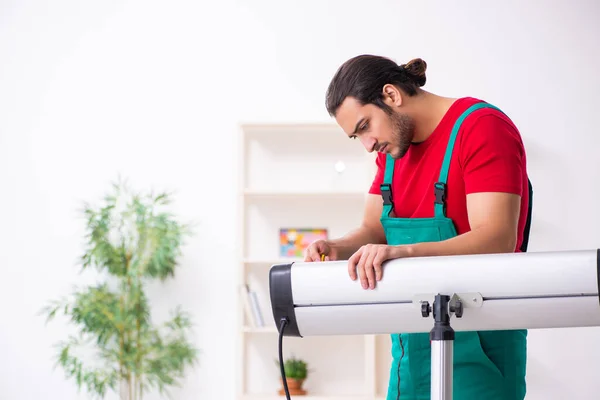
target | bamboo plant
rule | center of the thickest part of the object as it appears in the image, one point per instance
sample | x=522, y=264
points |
x=131, y=239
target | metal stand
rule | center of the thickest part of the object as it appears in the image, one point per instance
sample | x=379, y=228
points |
x=442, y=343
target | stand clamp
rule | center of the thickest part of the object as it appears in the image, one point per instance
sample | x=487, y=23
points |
x=442, y=337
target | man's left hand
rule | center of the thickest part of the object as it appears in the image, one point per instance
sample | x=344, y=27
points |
x=365, y=264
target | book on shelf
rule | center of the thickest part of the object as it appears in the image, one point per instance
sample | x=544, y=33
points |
x=251, y=307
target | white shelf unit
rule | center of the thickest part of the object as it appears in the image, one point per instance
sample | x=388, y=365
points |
x=290, y=178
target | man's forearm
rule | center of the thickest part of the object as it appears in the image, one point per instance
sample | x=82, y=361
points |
x=352, y=241
x=478, y=241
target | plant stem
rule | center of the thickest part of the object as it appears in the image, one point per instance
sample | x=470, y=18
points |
x=138, y=322
x=122, y=373
x=138, y=340
x=125, y=333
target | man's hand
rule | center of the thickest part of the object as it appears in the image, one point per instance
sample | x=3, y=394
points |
x=320, y=247
x=366, y=262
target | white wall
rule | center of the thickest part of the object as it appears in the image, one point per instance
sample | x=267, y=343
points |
x=154, y=90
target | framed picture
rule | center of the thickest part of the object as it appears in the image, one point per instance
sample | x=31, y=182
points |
x=294, y=241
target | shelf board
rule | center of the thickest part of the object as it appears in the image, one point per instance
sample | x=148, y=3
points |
x=253, y=193
x=278, y=128
x=264, y=262
x=262, y=329
x=311, y=397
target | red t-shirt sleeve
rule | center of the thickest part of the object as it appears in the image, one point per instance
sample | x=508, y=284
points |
x=378, y=180
x=492, y=156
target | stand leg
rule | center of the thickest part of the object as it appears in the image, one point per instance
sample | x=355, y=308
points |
x=442, y=348
x=442, y=352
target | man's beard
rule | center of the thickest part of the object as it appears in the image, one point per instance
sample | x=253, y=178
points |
x=403, y=131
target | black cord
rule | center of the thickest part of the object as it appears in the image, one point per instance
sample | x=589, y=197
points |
x=284, y=321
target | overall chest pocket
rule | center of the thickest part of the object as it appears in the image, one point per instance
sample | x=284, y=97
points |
x=401, y=231
x=407, y=233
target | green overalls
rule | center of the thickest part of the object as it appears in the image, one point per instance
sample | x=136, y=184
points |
x=476, y=376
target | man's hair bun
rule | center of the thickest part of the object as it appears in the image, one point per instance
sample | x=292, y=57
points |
x=416, y=68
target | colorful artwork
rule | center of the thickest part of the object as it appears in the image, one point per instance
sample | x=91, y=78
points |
x=294, y=241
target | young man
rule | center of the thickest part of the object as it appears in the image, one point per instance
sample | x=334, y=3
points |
x=451, y=179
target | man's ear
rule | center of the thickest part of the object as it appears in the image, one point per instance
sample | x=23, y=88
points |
x=392, y=96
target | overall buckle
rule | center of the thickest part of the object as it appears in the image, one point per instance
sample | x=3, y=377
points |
x=440, y=192
x=386, y=193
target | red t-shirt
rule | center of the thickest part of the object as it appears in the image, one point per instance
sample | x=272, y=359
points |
x=488, y=156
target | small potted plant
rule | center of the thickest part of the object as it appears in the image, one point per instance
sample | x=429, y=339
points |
x=296, y=372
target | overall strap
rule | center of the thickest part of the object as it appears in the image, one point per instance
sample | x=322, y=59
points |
x=386, y=186
x=440, y=186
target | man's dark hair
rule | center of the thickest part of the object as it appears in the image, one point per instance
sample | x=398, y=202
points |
x=363, y=77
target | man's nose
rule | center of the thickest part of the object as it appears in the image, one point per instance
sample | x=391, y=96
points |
x=369, y=143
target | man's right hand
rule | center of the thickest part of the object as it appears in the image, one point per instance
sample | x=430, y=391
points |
x=318, y=247
x=369, y=232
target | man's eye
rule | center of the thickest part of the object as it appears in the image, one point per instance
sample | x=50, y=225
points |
x=364, y=127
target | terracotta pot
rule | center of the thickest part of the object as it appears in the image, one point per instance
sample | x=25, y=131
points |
x=294, y=387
